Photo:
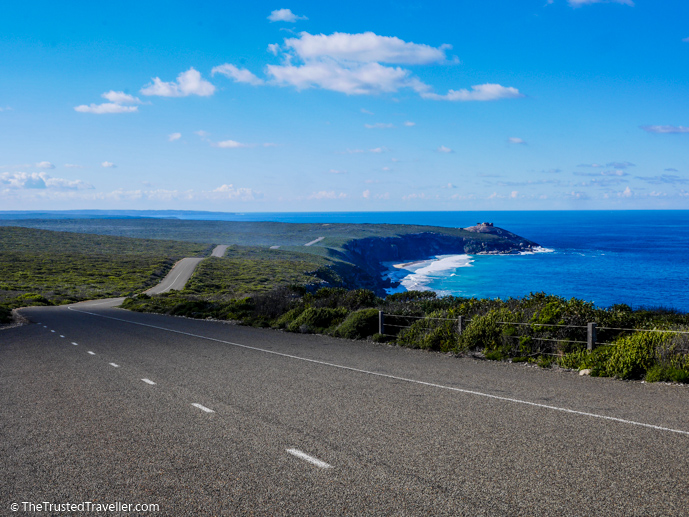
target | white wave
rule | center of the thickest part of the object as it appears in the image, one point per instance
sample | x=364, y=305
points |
x=537, y=249
x=424, y=272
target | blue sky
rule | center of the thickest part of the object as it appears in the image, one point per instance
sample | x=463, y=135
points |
x=318, y=106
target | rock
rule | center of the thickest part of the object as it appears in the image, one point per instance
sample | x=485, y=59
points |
x=586, y=371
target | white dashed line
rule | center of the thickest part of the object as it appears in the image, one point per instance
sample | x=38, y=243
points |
x=52, y=331
x=45, y=326
x=74, y=343
x=398, y=378
x=61, y=335
x=310, y=459
x=92, y=353
x=115, y=365
x=203, y=408
x=149, y=381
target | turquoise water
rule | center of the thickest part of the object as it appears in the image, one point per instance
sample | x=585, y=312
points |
x=640, y=258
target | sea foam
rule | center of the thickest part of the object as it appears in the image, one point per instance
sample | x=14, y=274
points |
x=424, y=272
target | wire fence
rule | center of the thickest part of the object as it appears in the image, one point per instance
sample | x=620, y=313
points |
x=591, y=335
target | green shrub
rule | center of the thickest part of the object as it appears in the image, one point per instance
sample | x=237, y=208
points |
x=317, y=320
x=359, y=324
x=631, y=356
x=667, y=373
x=432, y=333
x=287, y=318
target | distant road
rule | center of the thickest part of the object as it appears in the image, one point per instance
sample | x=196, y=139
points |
x=219, y=251
x=178, y=276
x=205, y=418
x=314, y=241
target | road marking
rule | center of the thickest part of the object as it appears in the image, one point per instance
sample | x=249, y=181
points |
x=92, y=353
x=173, y=283
x=74, y=343
x=403, y=379
x=52, y=331
x=61, y=335
x=310, y=459
x=45, y=326
x=114, y=365
x=149, y=381
x=203, y=408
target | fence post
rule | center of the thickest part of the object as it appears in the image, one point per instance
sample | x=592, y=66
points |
x=591, y=336
x=460, y=325
x=381, y=322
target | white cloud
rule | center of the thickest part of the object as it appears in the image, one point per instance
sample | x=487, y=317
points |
x=479, y=92
x=239, y=75
x=45, y=165
x=230, y=192
x=105, y=108
x=108, y=165
x=188, y=83
x=174, y=136
x=7, y=108
x=39, y=180
x=366, y=194
x=335, y=171
x=443, y=149
x=366, y=47
x=351, y=78
x=376, y=150
x=515, y=140
x=626, y=193
x=231, y=144
x=514, y=194
x=363, y=110
x=327, y=194
x=284, y=15
x=579, y=3
x=665, y=129
x=120, y=97
x=274, y=48
x=408, y=123
x=379, y=125
x=202, y=133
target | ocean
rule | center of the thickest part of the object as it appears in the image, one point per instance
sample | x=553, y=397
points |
x=639, y=258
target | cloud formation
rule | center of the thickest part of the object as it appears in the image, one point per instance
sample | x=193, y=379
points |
x=443, y=149
x=119, y=102
x=239, y=75
x=108, y=165
x=45, y=165
x=359, y=64
x=665, y=129
x=284, y=15
x=515, y=140
x=174, y=136
x=39, y=180
x=187, y=83
x=579, y=3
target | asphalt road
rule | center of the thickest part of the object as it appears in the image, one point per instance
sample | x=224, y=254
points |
x=100, y=404
x=178, y=276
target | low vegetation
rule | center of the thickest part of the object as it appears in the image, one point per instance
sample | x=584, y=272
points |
x=540, y=329
x=51, y=268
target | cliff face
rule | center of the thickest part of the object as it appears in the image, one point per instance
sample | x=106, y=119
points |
x=368, y=253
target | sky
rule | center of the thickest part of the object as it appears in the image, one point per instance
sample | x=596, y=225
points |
x=348, y=106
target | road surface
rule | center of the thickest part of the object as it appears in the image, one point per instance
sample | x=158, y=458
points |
x=206, y=418
x=180, y=274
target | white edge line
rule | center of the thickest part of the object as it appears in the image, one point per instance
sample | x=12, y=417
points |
x=91, y=353
x=387, y=376
x=310, y=459
x=149, y=381
x=203, y=408
x=74, y=343
x=61, y=335
x=114, y=365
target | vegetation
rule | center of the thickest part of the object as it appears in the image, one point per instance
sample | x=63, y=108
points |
x=539, y=329
x=50, y=268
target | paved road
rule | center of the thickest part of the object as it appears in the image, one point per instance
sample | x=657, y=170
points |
x=178, y=276
x=100, y=404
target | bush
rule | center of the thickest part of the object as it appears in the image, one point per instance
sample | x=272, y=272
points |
x=666, y=373
x=432, y=333
x=631, y=356
x=317, y=320
x=359, y=324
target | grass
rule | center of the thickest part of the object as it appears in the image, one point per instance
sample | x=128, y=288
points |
x=44, y=268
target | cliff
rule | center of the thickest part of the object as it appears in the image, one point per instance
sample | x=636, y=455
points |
x=369, y=253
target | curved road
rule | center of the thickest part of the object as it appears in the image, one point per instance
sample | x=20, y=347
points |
x=206, y=418
x=180, y=274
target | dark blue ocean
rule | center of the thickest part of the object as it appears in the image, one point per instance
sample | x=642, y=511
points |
x=640, y=258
